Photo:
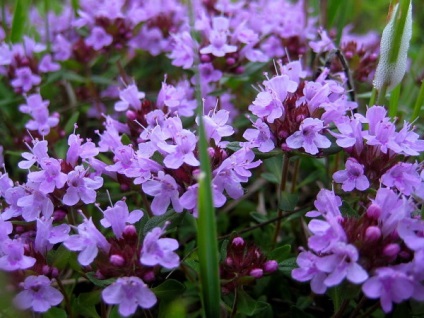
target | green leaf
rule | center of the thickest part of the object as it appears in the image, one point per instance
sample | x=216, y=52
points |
x=169, y=289
x=248, y=306
x=287, y=265
x=347, y=210
x=55, y=312
x=19, y=21
x=280, y=253
x=175, y=309
x=86, y=303
x=99, y=282
x=59, y=257
x=159, y=221
x=69, y=126
x=288, y=201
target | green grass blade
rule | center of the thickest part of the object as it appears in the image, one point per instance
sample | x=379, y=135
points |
x=400, y=20
x=419, y=103
x=207, y=240
x=19, y=21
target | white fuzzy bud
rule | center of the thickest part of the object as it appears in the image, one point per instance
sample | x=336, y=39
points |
x=388, y=73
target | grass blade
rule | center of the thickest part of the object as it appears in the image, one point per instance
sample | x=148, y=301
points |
x=419, y=103
x=394, y=101
x=207, y=240
x=19, y=21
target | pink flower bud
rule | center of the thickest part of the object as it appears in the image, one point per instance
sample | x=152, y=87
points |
x=391, y=250
x=117, y=260
x=129, y=231
x=149, y=276
x=230, y=61
x=237, y=241
x=229, y=261
x=372, y=233
x=374, y=211
x=204, y=58
x=256, y=272
x=270, y=266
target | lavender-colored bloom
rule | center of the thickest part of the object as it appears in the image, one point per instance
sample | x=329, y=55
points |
x=409, y=141
x=47, y=65
x=342, y=263
x=353, y=177
x=12, y=196
x=129, y=293
x=38, y=109
x=190, y=198
x=151, y=39
x=327, y=204
x=6, y=228
x=308, y=270
x=218, y=39
x=124, y=158
x=327, y=234
x=118, y=216
x=77, y=149
x=402, y=176
x=13, y=257
x=129, y=96
x=25, y=79
x=37, y=294
x=233, y=171
x=142, y=168
x=62, y=48
x=410, y=231
x=309, y=137
x=81, y=187
x=260, y=137
x=323, y=45
x=38, y=152
x=350, y=134
x=98, y=38
x=5, y=183
x=48, y=235
x=216, y=125
x=50, y=177
x=164, y=189
x=182, y=151
x=183, y=50
x=178, y=99
x=390, y=285
x=208, y=73
x=88, y=241
x=35, y=203
x=159, y=251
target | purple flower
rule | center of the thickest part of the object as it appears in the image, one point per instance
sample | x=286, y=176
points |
x=342, y=263
x=99, y=38
x=218, y=39
x=402, y=176
x=77, y=149
x=309, y=137
x=411, y=231
x=50, y=177
x=48, y=235
x=118, y=216
x=390, y=285
x=62, y=48
x=353, y=177
x=38, y=152
x=129, y=293
x=183, y=48
x=182, y=151
x=13, y=257
x=38, y=109
x=327, y=234
x=25, y=80
x=327, y=204
x=80, y=187
x=308, y=270
x=159, y=251
x=264, y=106
x=88, y=241
x=129, y=96
x=260, y=137
x=216, y=125
x=47, y=65
x=37, y=294
x=208, y=73
x=35, y=203
x=164, y=190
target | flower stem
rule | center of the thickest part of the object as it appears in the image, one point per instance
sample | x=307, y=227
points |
x=281, y=188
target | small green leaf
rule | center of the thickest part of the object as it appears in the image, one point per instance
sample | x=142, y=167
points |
x=287, y=265
x=288, y=201
x=55, y=312
x=159, y=221
x=347, y=210
x=99, y=282
x=169, y=289
x=69, y=126
x=86, y=303
x=280, y=253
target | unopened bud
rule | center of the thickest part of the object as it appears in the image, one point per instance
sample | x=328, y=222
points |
x=117, y=260
x=391, y=250
x=270, y=266
x=372, y=233
x=374, y=211
x=256, y=272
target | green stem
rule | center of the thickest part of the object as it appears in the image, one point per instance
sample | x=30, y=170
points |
x=381, y=99
x=419, y=103
x=281, y=188
x=373, y=97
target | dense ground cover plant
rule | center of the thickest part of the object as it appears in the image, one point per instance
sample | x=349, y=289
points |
x=210, y=158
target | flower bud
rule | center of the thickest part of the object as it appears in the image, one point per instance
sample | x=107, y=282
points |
x=149, y=277
x=256, y=272
x=270, y=266
x=391, y=249
x=117, y=260
x=204, y=58
x=374, y=211
x=372, y=233
x=238, y=241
